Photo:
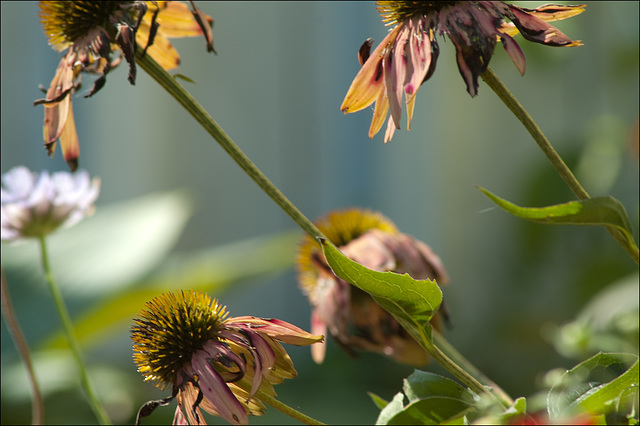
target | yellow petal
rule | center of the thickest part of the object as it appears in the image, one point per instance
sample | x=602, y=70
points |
x=162, y=51
x=369, y=81
x=175, y=19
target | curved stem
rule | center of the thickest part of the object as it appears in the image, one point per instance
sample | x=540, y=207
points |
x=443, y=345
x=467, y=374
x=73, y=343
x=565, y=173
x=13, y=326
x=209, y=124
x=284, y=408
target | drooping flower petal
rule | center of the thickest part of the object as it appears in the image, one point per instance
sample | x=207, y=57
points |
x=370, y=79
x=216, y=391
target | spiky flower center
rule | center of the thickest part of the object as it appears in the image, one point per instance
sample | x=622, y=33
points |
x=393, y=12
x=340, y=228
x=172, y=328
x=64, y=22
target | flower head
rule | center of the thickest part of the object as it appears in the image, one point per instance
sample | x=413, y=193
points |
x=350, y=315
x=407, y=56
x=185, y=340
x=90, y=32
x=35, y=205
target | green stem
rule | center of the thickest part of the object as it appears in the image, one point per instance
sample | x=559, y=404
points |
x=73, y=343
x=15, y=331
x=565, y=173
x=185, y=99
x=465, y=376
x=443, y=345
x=284, y=408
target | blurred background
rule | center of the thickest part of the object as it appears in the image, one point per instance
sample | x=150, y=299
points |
x=176, y=212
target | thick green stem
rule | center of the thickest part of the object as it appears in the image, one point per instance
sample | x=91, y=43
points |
x=10, y=319
x=73, y=343
x=284, y=408
x=565, y=173
x=208, y=123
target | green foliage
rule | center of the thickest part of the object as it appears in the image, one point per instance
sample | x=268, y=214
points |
x=604, y=385
x=412, y=302
x=605, y=211
x=433, y=399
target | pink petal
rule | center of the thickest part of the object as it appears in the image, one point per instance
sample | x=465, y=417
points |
x=514, y=51
x=216, y=391
x=395, y=69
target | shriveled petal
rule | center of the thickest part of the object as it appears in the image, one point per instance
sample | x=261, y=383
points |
x=369, y=81
x=275, y=328
x=536, y=30
x=391, y=129
x=514, y=52
x=547, y=13
x=395, y=70
x=57, y=102
x=69, y=140
x=265, y=359
x=419, y=61
x=318, y=326
x=216, y=391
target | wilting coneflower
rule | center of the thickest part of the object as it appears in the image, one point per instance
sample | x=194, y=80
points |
x=185, y=340
x=349, y=314
x=407, y=56
x=90, y=32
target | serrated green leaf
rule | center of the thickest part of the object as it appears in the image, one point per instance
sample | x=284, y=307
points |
x=412, y=302
x=596, y=386
x=604, y=211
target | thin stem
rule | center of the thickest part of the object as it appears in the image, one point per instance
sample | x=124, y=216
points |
x=465, y=376
x=73, y=343
x=442, y=344
x=185, y=99
x=11, y=320
x=565, y=173
x=284, y=408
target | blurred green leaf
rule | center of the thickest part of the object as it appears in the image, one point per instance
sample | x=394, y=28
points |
x=412, y=302
x=606, y=383
x=110, y=250
x=605, y=211
x=377, y=400
x=433, y=399
x=608, y=323
x=211, y=269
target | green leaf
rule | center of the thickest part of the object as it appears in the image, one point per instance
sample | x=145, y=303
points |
x=606, y=383
x=412, y=302
x=210, y=269
x=433, y=399
x=604, y=211
x=378, y=400
x=183, y=77
x=107, y=252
